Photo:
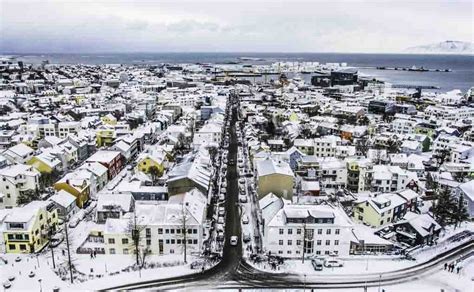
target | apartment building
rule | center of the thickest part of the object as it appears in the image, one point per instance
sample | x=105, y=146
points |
x=291, y=230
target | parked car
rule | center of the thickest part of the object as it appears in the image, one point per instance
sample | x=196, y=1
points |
x=234, y=240
x=246, y=237
x=74, y=222
x=245, y=219
x=329, y=263
x=31, y=274
x=243, y=199
x=7, y=284
x=317, y=264
x=56, y=240
x=198, y=264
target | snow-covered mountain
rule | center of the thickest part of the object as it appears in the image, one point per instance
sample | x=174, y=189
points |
x=446, y=47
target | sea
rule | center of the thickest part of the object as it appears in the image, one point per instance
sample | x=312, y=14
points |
x=461, y=75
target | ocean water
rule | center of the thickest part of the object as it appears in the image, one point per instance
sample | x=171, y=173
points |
x=461, y=77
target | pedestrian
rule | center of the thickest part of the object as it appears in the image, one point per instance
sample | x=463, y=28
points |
x=458, y=268
x=92, y=255
x=95, y=253
x=451, y=268
x=445, y=266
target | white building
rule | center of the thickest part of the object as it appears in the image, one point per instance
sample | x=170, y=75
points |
x=290, y=229
x=161, y=226
x=14, y=180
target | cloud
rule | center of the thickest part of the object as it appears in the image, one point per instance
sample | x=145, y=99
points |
x=311, y=26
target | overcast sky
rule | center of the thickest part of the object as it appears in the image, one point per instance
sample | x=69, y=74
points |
x=230, y=26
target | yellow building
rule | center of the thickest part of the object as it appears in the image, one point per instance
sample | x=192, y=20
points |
x=109, y=120
x=380, y=210
x=105, y=136
x=78, y=187
x=274, y=177
x=148, y=160
x=26, y=228
x=44, y=163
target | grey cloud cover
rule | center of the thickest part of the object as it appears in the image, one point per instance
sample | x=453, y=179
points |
x=271, y=26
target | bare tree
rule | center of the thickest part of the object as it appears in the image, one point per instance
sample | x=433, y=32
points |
x=135, y=233
x=183, y=222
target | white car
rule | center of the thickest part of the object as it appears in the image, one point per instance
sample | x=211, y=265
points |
x=7, y=284
x=234, y=240
x=329, y=263
x=245, y=219
x=243, y=199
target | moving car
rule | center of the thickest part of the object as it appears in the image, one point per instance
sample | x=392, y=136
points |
x=246, y=237
x=234, y=240
x=7, y=284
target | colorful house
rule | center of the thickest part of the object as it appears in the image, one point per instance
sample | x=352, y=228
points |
x=26, y=229
x=109, y=119
x=105, y=136
x=45, y=163
x=77, y=185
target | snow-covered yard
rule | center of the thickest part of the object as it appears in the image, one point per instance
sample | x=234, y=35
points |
x=102, y=272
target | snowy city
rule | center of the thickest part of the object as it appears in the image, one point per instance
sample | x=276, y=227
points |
x=235, y=171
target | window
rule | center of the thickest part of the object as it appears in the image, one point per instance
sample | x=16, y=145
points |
x=281, y=230
x=124, y=240
x=298, y=242
x=381, y=222
x=178, y=241
x=112, y=251
x=178, y=231
x=337, y=231
x=111, y=240
x=280, y=242
x=167, y=231
x=160, y=230
x=297, y=252
x=280, y=252
x=290, y=242
x=298, y=231
x=195, y=231
x=190, y=241
x=328, y=231
x=320, y=231
x=195, y=241
x=10, y=236
x=336, y=242
x=171, y=250
x=148, y=242
x=288, y=252
x=172, y=231
x=167, y=241
x=22, y=246
x=318, y=242
x=318, y=252
x=290, y=231
x=328, y=242
x=172, y=241
x=41, y=215
x=125, y=251
x=148, y=232
x=326, y=252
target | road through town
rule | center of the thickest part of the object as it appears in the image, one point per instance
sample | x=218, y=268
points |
x=234, y=272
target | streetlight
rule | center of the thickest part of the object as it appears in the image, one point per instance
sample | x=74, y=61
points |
x=380, y=280
x=304, y=287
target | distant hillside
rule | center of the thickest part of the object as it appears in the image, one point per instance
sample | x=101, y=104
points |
x=446, y=47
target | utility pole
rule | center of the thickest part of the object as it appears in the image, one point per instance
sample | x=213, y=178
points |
x=304, y=241
x=68, y=251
